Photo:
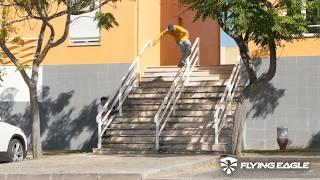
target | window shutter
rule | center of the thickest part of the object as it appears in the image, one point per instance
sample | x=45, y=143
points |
x=84, y=29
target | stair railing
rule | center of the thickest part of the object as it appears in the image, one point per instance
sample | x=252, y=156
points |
x=168, y=104
x=224, y=107
x=115, y=103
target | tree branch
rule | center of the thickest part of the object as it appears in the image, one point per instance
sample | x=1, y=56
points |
x=266, y=77
x=40, y=42
x=50, y=44
x=93, y=8
x=15, y=61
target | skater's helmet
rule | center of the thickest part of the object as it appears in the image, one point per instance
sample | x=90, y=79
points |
x=170, y=27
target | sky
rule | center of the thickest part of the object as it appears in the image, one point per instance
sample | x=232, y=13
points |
x=226, y=40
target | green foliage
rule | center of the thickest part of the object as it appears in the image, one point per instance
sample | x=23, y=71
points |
x=78, y=6
x=17, y=40
x=2, y=74
x=106, y=20
x=21, y=67
x=261, y=20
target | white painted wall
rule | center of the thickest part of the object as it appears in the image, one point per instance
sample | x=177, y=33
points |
x=13, y=87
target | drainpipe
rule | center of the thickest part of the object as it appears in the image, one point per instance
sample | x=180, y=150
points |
x=137, y=40
x=137, y=26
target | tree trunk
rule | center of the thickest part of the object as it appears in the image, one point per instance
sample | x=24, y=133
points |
x=240, y=118
x=246, y=100
x=245, y=56
x=34, y=106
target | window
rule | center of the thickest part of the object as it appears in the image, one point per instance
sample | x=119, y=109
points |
x=313, y=17
x=84, y=29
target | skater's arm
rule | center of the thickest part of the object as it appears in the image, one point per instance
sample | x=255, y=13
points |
x=160, y=36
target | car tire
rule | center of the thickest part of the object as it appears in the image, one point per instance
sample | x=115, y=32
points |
x=16, y=151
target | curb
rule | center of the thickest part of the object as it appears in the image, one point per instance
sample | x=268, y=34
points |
x=71, y=176
x=311, y=159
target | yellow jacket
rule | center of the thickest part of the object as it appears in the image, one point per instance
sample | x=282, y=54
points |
x=179, y=33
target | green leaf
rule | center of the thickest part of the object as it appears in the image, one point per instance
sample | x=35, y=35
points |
x=106, y=20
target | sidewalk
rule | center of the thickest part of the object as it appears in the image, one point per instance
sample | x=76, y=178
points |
x=88, y=166
x=102, y=167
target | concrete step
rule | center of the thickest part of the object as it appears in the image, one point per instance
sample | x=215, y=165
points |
x=200, y=119
x=113, y=151
x=195, y=73
x=165, y=139
x=156, y=101
x=180, y=113
x=189, y=89
x=197, y=68
x=197, y=78
x=119, y=120
x=166, y=132
x=175, y=146
x=183, y=95
x=195, y=106
x=191, y=83
x=168, y=125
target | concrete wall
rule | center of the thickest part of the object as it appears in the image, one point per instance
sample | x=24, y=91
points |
x=292, y=100
x=68, y=106
x=229, y=54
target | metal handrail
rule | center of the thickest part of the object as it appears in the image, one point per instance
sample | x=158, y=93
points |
x=224, y=107
x=168, y=104
x=118, y=98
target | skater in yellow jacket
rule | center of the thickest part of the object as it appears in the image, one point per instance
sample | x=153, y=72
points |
x=181, y=36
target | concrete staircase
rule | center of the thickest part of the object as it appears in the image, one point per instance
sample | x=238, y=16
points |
x=189, y=130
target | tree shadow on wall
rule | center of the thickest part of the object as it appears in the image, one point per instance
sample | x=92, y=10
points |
x=60, y=128
x=266, y=99
x=315, y=141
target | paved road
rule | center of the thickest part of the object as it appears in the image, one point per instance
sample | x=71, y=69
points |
x=266, y=174
x=215, y=172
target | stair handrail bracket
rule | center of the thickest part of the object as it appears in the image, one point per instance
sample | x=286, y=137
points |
x=167, y=107
x=224, y=106
x=117, y=99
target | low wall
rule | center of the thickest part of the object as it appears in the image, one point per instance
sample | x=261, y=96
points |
x=292, y=100
x=68, y=95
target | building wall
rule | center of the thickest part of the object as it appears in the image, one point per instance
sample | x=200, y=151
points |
x=208, y=31
x=292, y=100
x=68, y=95
x=299, y=47
x=117, y=45
x=229, y=54
x=148, y=27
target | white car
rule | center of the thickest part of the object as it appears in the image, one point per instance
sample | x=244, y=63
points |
x=13, y=143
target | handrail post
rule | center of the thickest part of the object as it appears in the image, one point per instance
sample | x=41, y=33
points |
x=157, y=134
x=199, y=52
x=216, y=132
x=99, y=145
x=138, y=71
x=120, y=101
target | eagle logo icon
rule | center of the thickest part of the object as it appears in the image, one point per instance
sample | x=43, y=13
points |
x=228, y=164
